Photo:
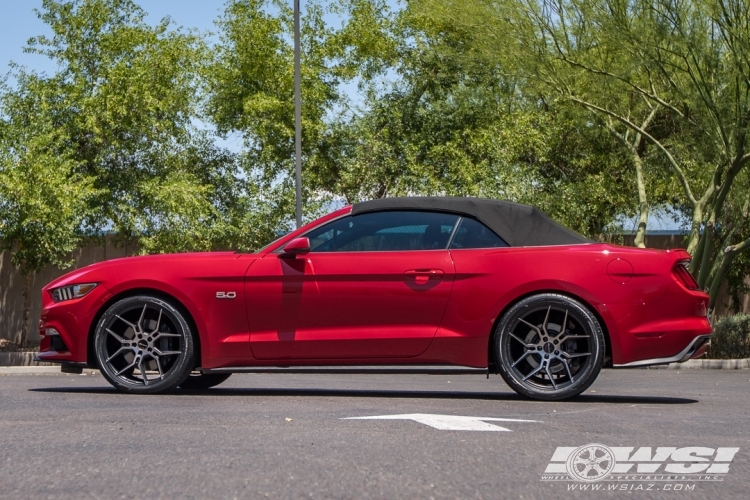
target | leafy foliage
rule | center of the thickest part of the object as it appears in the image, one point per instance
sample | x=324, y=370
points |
x=125, y=96
x=43, y=199
x=731, y=338
x=666, y=78
x=590, y=110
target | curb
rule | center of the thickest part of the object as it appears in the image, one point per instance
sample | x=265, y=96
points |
x=22, y=363
x=20, y=359
x=706, y=364
x=48, y=369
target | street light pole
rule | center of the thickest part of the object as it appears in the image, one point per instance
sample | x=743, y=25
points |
x=297, y=118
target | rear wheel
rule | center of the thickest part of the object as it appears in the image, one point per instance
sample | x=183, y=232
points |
x=144, y=345
x=198, y=381
x=549, y=347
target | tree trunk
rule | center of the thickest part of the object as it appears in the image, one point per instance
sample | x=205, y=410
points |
x=695, y=236
x=636, y=150
x=708, y=256
x=727, y=257
x=28, y=282
x=640, y=235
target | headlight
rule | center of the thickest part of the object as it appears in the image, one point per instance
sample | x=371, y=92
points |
x=71, y=292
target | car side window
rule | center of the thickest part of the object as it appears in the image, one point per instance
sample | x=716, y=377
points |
x=384, y=231
x=473, y=234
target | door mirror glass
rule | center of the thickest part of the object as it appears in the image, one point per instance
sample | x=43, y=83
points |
x=297, y=246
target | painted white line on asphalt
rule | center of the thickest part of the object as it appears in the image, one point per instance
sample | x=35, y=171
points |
x=449, y=422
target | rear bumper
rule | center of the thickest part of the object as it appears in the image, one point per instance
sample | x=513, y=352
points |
x=696, y=347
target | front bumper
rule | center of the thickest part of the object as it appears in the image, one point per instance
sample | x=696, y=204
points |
x=695, y=348
x=72, y=321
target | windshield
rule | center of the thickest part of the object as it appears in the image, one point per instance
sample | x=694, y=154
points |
x=269, y=244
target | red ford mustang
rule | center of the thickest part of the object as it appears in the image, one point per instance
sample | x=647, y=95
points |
x=397, y=285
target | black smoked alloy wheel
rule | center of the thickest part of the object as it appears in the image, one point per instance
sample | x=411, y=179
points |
x=549, y=347
x=144, y=345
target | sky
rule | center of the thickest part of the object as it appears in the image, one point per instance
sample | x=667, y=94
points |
x=18, y=23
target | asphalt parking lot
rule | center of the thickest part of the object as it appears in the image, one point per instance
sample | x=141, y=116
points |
x=292, y=436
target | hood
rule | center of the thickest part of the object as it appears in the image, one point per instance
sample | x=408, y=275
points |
x=108, y=270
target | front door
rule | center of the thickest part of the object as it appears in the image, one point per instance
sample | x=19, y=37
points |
x=373, y=286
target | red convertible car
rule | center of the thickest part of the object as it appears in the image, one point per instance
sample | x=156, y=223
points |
x=396, y=285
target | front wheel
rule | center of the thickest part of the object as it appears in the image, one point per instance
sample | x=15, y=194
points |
x=549, y=347
x=144, y=345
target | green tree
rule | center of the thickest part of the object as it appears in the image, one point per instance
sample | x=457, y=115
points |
x=683, y=60
x=126, y=95
x=250, y=91
x=450, y=120
x=44, y=200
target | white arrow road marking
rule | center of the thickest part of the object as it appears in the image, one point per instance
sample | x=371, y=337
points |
x=449, y=422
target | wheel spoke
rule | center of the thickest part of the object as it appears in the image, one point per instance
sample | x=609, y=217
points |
x=546, y=320
x=549, y=374
x=575, y=355
x=533, y=372
x=564, y=324
x=143, y=372
x=567, y=369
x=523, y=356
x=158, y=322
x=159, y=335
x=140, y=320
x=529, y=346
x=126, y=321
x=534, y=327
x=158, y=366
x=119, y=339
x=166, y=353
x=121, y=349
x=131, y=365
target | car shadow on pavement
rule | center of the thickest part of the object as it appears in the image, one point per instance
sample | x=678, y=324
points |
x=370, y=393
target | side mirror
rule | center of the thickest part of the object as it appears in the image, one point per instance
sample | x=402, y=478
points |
x=298, y=246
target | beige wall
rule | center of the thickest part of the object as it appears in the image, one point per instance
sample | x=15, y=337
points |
x=11, y=282
x=11, y=286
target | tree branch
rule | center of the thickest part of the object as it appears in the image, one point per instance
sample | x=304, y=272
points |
x=673, y=163
x=738, y=248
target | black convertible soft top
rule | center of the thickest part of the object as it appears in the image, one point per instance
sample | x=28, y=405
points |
x=519, y=225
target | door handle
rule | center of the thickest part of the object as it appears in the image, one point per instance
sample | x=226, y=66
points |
x=422, y=276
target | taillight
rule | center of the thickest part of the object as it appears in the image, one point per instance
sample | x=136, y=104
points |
x=681, y=273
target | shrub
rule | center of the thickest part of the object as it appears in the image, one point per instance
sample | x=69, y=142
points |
x=731, y=338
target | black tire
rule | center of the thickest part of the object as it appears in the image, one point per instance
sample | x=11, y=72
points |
x=197, y=381
x=144, y=345
x=538, y=357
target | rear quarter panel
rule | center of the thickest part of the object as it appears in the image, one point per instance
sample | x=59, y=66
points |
x=646, y=314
